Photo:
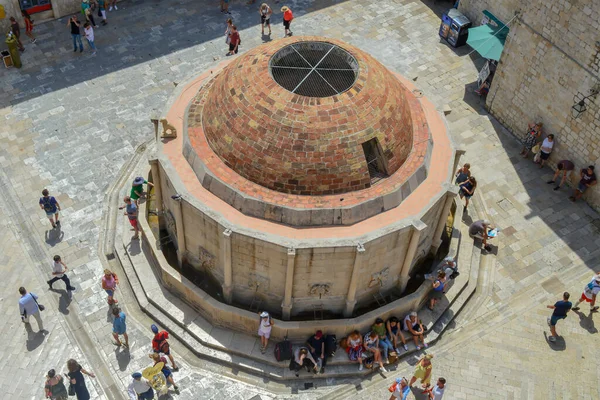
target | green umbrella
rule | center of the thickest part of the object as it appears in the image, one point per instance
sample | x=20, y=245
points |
x=488, y=40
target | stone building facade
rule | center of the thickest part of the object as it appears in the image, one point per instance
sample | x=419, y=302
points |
x=59, y=9
x=551, y=59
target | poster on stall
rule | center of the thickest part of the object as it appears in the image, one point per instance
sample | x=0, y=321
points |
x=483, y=74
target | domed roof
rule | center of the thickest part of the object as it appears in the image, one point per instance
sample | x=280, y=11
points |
x=305, y=116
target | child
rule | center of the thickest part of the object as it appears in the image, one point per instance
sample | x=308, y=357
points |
x=89, y=36
x=265, y=324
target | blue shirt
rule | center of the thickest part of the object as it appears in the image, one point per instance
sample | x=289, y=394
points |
x=119, y=325
x=131, y=210
x=404, y=393
x=49, y=203
x=27, y=304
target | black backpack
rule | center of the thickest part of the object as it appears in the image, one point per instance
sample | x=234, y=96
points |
x=283, y=350
x=330, y=345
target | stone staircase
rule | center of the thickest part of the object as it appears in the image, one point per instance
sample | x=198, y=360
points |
x=241, y=351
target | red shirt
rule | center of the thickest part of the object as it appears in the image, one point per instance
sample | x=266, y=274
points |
x=288, y=16
x=159, y=340
x=235, y=38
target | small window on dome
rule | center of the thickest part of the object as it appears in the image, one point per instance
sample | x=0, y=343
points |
x=375, y=160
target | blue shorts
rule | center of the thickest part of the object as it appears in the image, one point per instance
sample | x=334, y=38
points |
x=167, y=353
x=146, y=395
x=554, y=319
x=110, y=292
x=581, y=187
x=166, y=372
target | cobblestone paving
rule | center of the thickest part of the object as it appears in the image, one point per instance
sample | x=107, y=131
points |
x=71, y=120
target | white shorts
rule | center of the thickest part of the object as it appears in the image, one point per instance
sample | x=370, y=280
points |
x=266, y=333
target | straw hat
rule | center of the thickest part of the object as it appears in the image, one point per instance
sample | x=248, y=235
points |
x=284, y=8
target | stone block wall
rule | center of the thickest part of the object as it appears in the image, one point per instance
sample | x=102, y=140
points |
x=60, y=8
x=552, y=54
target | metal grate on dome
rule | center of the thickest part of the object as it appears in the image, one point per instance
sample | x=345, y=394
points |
x=314, y=69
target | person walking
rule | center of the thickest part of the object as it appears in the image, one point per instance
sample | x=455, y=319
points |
x=28, y=25
x=467, y=189
x=160, y=344
x=89, y=36
x=438, y=289
x=54, y=387
x=51, y=206
x=59, y=272
x=423, y=371
x=131, y=211
x=16, y=31
x=463, y=174
x=165, y=370
x=564, y=167
x=102, y=11
x=140, y=389
x=109, y=284
x=77, y=380
x=113, y=4
x=265, y=17
x=534, y=131
x=588, y=179
x=546, y=149
x=287, y=20
x=265, y=324
x=119, y=327
x=75, y=26
x=590, y=291
x=28, y=306
x=88, y=11
x=561, y=308
x=400, y=389
x=234, y=41
x=225, y=6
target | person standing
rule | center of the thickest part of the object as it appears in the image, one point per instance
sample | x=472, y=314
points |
x=546, y=149
x=54, y=387
x=29, y=306
x=140, y=389
x=102, y=11
x=131, y=211
x=561, y=308
x=436, y=392
x=77, y=380
x=265, y=324
x=234, y=41
x=590, y=291
x=120, y=327
x=228, y=31
x=564, y=167
x=265, y=17
x=28, y=25
x=75, y=26
x=89, y=36
x=160, y=344
x=16, y=31
x=400, y=389
x=59, y=272
x=50, y=206
x=534, y=131
x=423, y=371
x=588, y=179
x=109, y=284
x=287, y=19
x=137, y=189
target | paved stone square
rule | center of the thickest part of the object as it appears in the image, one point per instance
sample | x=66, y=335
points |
x=71, y=120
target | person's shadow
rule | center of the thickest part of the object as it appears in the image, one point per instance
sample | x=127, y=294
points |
x=123, y=357
x=54, y=236
x=135, y=247
x=34, y=339
x=558, y=345
x=64, y=301
x=587, y=321
x=266, y=38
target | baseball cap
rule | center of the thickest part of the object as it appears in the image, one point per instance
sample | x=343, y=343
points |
x=264, y=314
x=319, y=334
x=154, y=328
x=136, y=375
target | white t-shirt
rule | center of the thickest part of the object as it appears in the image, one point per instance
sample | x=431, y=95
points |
x=547, y=146
x=57, y=267
x=408, y=322
x=592, y=288
x=89, y=33
x=438, y=392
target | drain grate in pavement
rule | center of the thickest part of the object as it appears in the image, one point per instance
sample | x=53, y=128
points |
x=506, y=205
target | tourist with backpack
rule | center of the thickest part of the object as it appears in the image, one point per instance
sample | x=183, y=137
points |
x=51, y=207
x=590, y=291
x=160, y=344
x=265, y=324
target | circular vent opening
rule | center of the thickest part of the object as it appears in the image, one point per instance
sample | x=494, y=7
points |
x=314, y=69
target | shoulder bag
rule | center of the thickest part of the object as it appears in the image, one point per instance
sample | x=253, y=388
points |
x=40, y=306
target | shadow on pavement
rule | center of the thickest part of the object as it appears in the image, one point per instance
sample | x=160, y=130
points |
x=64, y=301
x=54, y=236
x=123, y=357
x=587, y=321
x=558, y=345
x=34, y=339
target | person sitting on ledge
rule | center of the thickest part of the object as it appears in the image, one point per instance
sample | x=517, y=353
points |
x=302, y=358
x=384, y=343
x=395, y=333
x=479, y=230
x=413, y=325
x=355, y=348
x=316, y=345
x=371, y=343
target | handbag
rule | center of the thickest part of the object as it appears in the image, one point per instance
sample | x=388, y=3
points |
x=40, y=306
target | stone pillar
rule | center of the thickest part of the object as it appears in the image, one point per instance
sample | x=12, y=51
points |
x=418, y=227
x=441, y=224
x=178, y=211
x=158, y=201
x=289, y=284
x=227, y=267
x=351, y=296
